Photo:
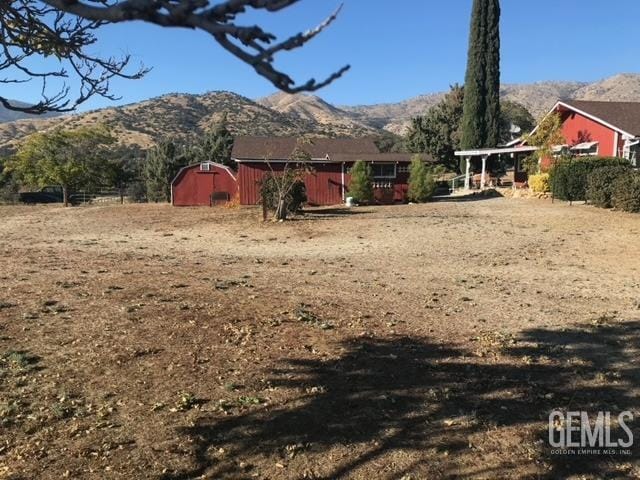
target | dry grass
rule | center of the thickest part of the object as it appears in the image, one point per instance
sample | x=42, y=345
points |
x=426, y=341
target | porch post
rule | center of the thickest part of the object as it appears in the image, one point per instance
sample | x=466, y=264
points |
x=483, y=177
x=467, y=179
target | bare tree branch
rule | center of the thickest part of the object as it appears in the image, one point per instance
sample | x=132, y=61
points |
x=63, y=29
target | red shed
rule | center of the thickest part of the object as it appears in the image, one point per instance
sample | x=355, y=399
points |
x=331, y=161
x=203, y=184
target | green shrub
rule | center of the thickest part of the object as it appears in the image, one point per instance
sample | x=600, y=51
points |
x=626, y=192
x=361, y=186
x=421, y=183
x=568, y=177
x=600, y=184
x=539, y=183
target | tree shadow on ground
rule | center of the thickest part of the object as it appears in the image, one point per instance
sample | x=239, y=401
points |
x=476, y=196
x=407, y=406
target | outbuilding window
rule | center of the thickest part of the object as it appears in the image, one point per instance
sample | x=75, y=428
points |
x=205, y=167
x=383, y=170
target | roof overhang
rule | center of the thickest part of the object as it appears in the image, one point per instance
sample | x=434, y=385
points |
x=487, y=152
x=584, y=146
x=561, y=104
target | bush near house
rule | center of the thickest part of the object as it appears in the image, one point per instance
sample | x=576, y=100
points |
x=539, y=183
x=361, y=186
x=421, y=183
x=600, y=184
x=568, y=177
x=626, y=192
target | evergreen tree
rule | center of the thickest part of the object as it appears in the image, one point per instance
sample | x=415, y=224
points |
x=215, y=145
x=492, y=82
x=421, y=183
x=361, y=186
x=481, y=113
x=162, y=165
x=438, y=132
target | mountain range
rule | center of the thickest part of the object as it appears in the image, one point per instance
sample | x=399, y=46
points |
x=185, y=115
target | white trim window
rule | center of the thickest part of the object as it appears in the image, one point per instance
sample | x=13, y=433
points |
x=586, y=149
x=205, y=167
x=383, y=170
x=404, y=168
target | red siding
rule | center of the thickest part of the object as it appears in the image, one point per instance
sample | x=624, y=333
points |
x=193, y=187
x=576, y=128
x=324, y=184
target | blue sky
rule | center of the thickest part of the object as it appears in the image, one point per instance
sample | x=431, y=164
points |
x=397, y=49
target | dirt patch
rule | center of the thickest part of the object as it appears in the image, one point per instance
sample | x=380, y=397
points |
x=422, y=341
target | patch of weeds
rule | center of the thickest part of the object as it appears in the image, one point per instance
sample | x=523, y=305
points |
x=9, y=412
x=494, y=342
x=246, y=401
x=19, y=360
x=294, y=449
x=65, y=407
x=232, y=387
x=303, y=314
x=187, y=401
x=603, y=320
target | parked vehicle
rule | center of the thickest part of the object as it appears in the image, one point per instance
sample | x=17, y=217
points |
x=49, y=194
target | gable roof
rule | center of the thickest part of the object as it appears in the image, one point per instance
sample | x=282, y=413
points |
x=279, y=148
x=621, y=116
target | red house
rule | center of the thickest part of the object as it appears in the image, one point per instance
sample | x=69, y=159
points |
x=610, y=129
x=327, y=182
x=203, y=184
x=607, y=129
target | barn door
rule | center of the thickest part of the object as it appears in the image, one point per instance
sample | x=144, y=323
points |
x=213, y=190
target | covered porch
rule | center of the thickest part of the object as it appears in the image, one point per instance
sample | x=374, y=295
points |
x=481, y=156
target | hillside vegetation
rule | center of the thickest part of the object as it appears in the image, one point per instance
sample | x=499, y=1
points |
x=185, y=116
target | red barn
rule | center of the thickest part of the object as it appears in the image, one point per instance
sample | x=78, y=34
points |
x=331, y=160
x=203, y=184
x=610, y=129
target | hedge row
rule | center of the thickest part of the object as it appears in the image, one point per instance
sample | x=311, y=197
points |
x=626, y=192
x=569, y=178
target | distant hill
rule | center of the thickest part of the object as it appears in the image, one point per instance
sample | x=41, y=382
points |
x=186, y=116
x=537, y=97
x=7, y=115
x=182, y=116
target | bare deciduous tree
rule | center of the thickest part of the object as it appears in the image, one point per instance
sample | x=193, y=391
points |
x=62, y=31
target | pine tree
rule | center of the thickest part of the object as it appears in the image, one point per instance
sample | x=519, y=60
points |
x=438, y=131
x=361, y=186
x=481, y=115
x=215, y=145
x=421, y=183
x=162, y=165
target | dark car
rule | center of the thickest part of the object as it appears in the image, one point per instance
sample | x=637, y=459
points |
x=50, y=194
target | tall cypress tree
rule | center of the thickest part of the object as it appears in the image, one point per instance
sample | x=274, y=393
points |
x=481, y=116
x=492, y=81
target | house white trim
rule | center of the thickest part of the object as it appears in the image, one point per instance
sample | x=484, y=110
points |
x=585, y=114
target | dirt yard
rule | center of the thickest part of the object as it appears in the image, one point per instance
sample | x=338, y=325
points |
x=407, y=342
